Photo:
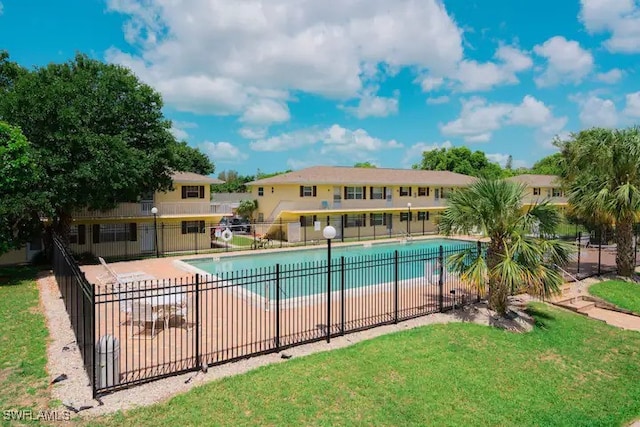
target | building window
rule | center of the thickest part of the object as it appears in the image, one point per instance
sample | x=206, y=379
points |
x=193, y=191
x=308, y=220
x=77, y=234
x=114, y=233
x=358, y=220
x=308, y=191
x=377, y=193
x=423, y=216
x=405, y=191
x=556, y=192
x=260, y=217
x=192, y=227
x=423, y=191
x=378, y=219
x=405, y=215
x=536, y=191
x=354, y=193
x=260, y=191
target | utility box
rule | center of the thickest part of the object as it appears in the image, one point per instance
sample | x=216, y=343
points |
x=107, y=362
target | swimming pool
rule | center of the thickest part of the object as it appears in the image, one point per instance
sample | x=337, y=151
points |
x=303, y=272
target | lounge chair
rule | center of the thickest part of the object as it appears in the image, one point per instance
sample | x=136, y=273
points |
x=118, y=280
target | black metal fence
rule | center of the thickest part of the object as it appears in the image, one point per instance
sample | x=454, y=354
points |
x=79, y=300
x=161, y=328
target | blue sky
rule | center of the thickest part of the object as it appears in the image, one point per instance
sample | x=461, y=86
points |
x=280, y=84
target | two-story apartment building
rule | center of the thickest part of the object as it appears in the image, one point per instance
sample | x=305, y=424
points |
x=357, y=201
x=541, y=187
x=182, y=222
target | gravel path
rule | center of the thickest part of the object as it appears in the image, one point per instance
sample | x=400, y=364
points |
x=75, y=391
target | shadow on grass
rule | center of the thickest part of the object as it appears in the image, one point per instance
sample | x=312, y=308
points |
x=13, y=276
x=543, y=318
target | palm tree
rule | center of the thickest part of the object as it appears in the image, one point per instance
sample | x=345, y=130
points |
x=516, y=257
x=603, y=179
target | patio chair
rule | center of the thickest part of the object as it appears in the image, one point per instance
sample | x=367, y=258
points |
x=584, y=241
x=118, y=280
x=143, y=314
x=178, y=311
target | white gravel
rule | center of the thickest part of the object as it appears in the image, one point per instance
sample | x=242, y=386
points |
x=64, y=356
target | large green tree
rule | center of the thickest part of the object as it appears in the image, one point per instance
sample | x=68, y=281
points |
x=550, y=165
x=603, y=179
x=460, y=160
x=22, y=195
x=518, y=255
x=233, y=182
x=98, y=132
x=190, y=159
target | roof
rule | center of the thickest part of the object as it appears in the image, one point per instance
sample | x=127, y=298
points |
x=194, y=177
x=349, y=175
x=537, y=180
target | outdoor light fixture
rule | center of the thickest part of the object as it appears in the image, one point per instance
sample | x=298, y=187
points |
x=154, y=211
x=329, y=232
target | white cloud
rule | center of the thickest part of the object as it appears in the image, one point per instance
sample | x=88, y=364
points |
x=566, y=62
x=371, y=105
x=223, y=152
x=178, y=129
x=476, y=76
x=222, y=57
x=632, y=108
x=253, y=132
x=413, y=154
x=438, y=100
x=612, y=76
x=334, y=141
x=619, y=18
x=265, y=112
x=430, y=83
x=479, y=119
x=597, y=112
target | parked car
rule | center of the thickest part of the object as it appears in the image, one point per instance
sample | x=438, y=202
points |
x=235, y=224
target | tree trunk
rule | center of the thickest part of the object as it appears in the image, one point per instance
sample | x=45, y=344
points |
x=498, y=294
x=624, y=242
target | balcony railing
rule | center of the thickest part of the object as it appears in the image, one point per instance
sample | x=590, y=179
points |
x=143, y=209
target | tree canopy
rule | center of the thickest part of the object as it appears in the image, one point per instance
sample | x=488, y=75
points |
x=460, y=160
x=233, y=182
x=550, y=165
x=189, y=159
x=99, y=134
x=364, y=165
x=22, y=195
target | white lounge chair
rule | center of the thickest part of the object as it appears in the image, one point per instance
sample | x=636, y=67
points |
x=120, y=279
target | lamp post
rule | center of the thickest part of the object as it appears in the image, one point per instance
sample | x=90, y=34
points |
x=329, y=232
x=154, y=211
x=409, y=219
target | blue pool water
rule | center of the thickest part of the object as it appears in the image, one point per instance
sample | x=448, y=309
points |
x=303, y=272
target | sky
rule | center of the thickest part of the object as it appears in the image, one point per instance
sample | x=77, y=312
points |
x=270, y=85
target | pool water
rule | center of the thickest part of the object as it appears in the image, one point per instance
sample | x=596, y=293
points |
x=366, y=265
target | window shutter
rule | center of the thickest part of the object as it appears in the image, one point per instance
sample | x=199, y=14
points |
x=364, y=220
x=184, y=227
x=364, y=193
x=345, y=193
x=427, y=191
x=384, y=192
x=301, y=191
x=95, y=229
x=315, y=218
x=201, y=224
x=427, y=215
x=133, y=232
x=82, y=231
x=184, y=192
x=344, y=221
x=410, y=191
x=384, y=219
x=315, y=188
x=371, y=193
x=303, y=221
x=202, y=191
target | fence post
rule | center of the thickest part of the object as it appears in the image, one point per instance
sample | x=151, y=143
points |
x=342, y=310
x=281, y=232
x=93, y=342
x=277, y=307
x=197, y=325
x=479, y=255
x=162, y=235
x=635, y=245
x=441, y=277
x=600, y=253
x=579, y=250
x=395, y=287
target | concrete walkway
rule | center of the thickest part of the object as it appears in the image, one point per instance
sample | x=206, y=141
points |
x=572, y=298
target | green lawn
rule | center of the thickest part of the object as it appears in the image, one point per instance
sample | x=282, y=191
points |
x=23, y=337
x=623, y=294
x=569, y=371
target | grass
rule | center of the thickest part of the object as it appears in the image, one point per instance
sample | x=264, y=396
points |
x=623, y=294
x=569, y=371
x=23, y=342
